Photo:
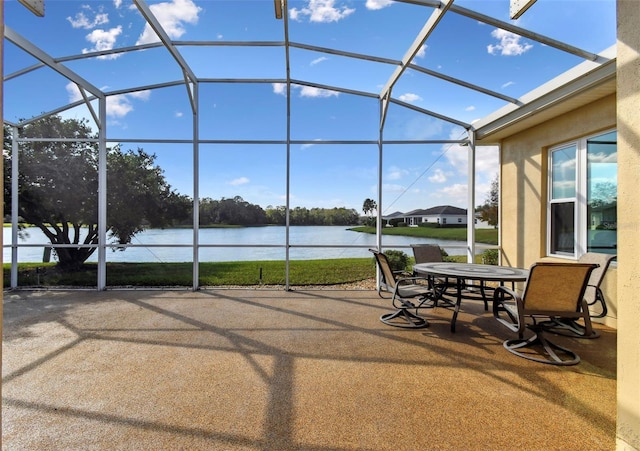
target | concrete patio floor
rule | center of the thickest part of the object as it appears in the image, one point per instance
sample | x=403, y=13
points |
x=275, y=370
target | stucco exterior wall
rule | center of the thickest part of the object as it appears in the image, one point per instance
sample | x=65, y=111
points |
x=628, y=91
x=523, y=187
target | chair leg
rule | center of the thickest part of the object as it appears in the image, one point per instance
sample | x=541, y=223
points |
x=599, y=299
x=556, y=355
x=436, y=296
x=404, y=318
x=569, y=328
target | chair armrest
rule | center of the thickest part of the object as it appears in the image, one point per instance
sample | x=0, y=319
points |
x=510, y=302
x=510, y=292
x=411, y=279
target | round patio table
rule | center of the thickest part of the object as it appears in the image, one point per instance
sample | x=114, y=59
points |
x=470, y=271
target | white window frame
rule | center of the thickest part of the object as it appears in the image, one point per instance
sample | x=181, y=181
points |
x=580, y=199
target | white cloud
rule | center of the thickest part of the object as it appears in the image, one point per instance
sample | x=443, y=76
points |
x=470, y=108
x=118, y=106
x=74, y=92
x=507, y=84
x=306, y=146
x=82, y=21
x=483, y=191
x=378, y=4
x=321, y=11
x=438, y=176
x=509, y=44
x=457, y=191
x=308, y=91
x=422, y=127
x=422, y=51
x=305, y=91
x=392, y=188
x=239, y=181
x=279, y=88
x=457, y=156
x=172, y=17
x=179, y=114
x=117, y=3
x=140, y=95
x=410, y=97
x=396, y=173
x=486, y=158
x=103, y=40
x=318, y=60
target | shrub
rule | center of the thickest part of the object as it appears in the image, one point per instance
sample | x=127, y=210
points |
x=490, y=257
x=398, y=260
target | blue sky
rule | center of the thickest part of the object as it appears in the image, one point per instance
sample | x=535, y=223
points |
x=322, y=175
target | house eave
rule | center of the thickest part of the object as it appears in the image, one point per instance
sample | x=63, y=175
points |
x=585, y=83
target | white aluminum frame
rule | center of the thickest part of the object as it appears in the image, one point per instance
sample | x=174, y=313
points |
x=581, y=221
x=192, y=83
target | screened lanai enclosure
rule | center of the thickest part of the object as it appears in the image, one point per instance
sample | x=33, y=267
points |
x=132, y=127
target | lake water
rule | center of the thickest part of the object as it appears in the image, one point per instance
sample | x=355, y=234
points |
x=235, y=244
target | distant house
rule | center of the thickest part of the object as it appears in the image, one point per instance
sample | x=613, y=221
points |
x=395, y=215
x=443, y=215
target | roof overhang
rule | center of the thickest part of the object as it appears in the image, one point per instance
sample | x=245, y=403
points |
x=583, y=84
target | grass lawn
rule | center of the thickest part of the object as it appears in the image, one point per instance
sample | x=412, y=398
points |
x=244, y=273
x=252, y=273
x=241, y=273
x=485, y=236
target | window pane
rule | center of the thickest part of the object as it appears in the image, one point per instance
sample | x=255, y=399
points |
x=602, y=193
x=562, y=228
x=563, y=173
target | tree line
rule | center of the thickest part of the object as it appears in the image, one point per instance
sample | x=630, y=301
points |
x=238, y=211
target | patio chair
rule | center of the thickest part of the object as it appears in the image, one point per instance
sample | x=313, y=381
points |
x=428, y=253
x=404, y=287
x=593, y=295
x=553, y=290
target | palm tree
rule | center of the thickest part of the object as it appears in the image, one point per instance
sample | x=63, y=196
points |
x=369, y=207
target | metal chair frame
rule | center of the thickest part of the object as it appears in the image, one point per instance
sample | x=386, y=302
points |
x=593, y=295
x=403, y=288
x=553, y=290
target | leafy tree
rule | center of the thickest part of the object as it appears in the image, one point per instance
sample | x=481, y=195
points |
x=489, y=210
x=234, y=211
x=369, y=206
x=276, y=215
x=58, y=189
